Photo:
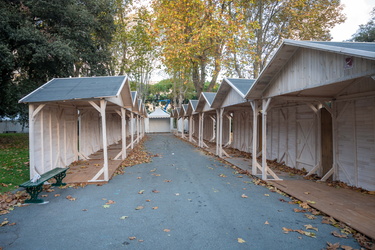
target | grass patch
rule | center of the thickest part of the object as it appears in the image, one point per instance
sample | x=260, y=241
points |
x=14, y=161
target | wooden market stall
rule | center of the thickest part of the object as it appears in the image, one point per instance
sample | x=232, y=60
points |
x=193, y=119
x=72, y=118
x=159, y=121
x=207, y=118
x=318, y=109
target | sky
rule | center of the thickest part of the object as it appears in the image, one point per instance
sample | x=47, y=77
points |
x=357, y=12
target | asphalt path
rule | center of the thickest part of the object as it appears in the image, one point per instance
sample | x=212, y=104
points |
x=183, y=199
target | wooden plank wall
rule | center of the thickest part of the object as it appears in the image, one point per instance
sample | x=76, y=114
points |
x=356, y=142
x=196, y=125
x=292, y=136
x=313, y=68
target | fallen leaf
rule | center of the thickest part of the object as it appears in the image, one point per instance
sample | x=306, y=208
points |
x=167, y=180
x=266, y=195
x=336, y=234
x=287, y=230
x=84, y=210
x=306, y=193
x=222, y=175
x=12, y=224
x=304, y=205
x=155, y=191
x=177, y=194
x=57, y=195
x=44, y=195
x=141, y=191
x=110, y=202
x=123, y=217
x=282, y=200
x=148, y=200
x=153, y=170
x=132, y=238
x=310, y=227
x=240, y=176
x=166, y=230
x=4, y=223
x=240, y=240
x=97, y=165
x=140, y=240
x=312, y=202
x=331, y=246
x=139, y=178
x=266, y=223
x=156, y=174
x=310, y=234
x=244, y=196
x=139, y=208
x=69, y=197
x=297, y=210
x=346, y=247
x=106, y=206
x=310, y=216
x=154, y=208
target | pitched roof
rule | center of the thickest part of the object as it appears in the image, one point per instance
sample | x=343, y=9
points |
x=205, y=98
x=78, y=88
x=241, y=86
x=159, y=113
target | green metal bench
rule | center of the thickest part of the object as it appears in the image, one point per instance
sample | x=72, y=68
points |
x=34, y=188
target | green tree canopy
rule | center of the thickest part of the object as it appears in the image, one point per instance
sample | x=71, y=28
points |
x=366, y=32
x=42, y=39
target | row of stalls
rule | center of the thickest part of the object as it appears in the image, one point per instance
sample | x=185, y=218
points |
x=311, y=108
x=72, y=118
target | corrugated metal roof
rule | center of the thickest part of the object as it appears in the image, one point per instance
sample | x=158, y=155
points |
x=64, y=89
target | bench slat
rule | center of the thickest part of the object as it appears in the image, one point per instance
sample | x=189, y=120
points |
x=44, y=177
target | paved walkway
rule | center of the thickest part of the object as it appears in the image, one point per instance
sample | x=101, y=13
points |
x=183, y=199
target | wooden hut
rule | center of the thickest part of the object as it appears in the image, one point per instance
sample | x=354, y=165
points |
x=71, y=118
x=193, y=119
x=318, y=109
x=231, y=105
x=207, y=118
x=159, y=121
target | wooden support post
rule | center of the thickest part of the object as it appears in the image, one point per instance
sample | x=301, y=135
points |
x=191, y=128
x=137, y=119
x=123, y=132
x=265, y=104
x=217, y=130
x=220, y=138
x=255, y=108
x=31, y=140
x=131, y=130
x=182, y=129
x=199, y=129
x=103, y=104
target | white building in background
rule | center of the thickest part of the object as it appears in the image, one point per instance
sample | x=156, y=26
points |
x=158, y=121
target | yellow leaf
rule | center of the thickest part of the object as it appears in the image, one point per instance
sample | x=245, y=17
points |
x=240, y=240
